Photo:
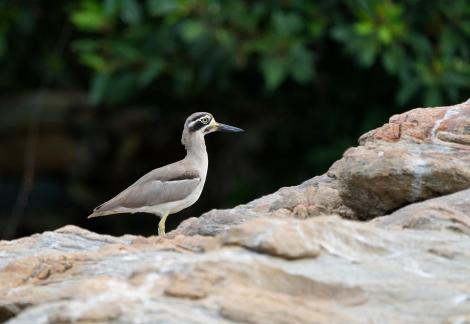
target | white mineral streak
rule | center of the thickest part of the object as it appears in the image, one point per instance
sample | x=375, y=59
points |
x=449, y=113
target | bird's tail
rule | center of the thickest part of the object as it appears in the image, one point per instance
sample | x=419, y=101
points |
x=95, y=214
x=99, y=213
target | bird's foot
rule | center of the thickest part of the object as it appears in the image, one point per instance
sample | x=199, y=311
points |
x=161, y=226
x=161, y=230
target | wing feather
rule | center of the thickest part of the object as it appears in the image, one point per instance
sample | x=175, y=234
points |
x=167, y=184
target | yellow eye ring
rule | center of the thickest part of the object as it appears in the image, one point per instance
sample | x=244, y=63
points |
x=204, y=120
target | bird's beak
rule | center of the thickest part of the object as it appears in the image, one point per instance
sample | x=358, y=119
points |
x=227, y=128
x=219, y=127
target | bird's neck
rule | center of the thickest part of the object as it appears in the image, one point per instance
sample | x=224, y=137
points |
x=196, y=149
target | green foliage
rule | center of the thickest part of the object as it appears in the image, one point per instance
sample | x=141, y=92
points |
x=195, y=44
x=424, y=44
x=214, y=45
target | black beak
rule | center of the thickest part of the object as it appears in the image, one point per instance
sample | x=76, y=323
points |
x=228, y=128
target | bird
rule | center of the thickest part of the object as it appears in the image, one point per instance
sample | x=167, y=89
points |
x=173, y=187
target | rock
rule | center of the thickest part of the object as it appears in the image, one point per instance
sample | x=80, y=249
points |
x=447, y=212
x=421, y=154
x=277, y=237
x=270, y=269
x=268, y=307
x=314, y=197
x=296, y=239
x=215, y=221
x=131, y=281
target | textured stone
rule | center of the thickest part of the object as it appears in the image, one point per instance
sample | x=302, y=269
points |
x=312, y=198
x=380, y=178
x=295, y=239
x=339, y=271
x=277, y=237
x=267, y=307
x=421, y=154
x=446, y=212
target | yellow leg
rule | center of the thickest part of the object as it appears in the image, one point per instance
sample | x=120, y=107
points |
x=161, y=225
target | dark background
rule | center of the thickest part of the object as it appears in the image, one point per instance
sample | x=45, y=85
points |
x=93, y=94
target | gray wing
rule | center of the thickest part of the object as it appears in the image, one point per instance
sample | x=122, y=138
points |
x=167, y=184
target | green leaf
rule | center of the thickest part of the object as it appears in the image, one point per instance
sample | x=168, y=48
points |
x=456, y=79
x=161, y=7
x=301, y=64
x=385, y=35
x=111, y=7
x=286, y=23
x=151, y=72
x=225, y=38
x=364, y=28
x=452, y=93
x=407, y=90
x=126, y=51
x=421, y=45
x=448, y=42
x=89, y=17
x=183, y=77
x=192, y=29
x=121, y=87
x=316, y=28
x=131, y=12
x=98, y=88
x=301, y=73
x=433, y=97
x=85, y=45
x=390, y=60
x=340, y=33
x=274, y=72
x=367, y=55
x=94, y=61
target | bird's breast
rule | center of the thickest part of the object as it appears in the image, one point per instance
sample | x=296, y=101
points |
x=189, y=200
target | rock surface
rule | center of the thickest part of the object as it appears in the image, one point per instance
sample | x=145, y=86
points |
x=450, y=212
x=315, y=197
x=421, y=154
x=289, y=257
x=277, y=270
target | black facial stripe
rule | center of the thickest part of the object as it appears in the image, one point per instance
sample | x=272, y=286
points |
x=196, y=126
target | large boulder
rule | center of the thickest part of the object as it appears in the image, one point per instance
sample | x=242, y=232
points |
x=279, y=270
x=421, y=154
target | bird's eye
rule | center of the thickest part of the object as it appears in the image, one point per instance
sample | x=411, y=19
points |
x=205, y=120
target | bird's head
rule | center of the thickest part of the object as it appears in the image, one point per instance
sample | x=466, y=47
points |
x=204, y=123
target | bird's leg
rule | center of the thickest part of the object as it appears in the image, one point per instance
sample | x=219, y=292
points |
x=161, y=225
